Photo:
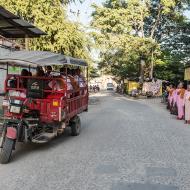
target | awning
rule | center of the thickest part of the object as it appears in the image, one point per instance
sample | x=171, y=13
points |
x=12, y=26
x=39, y=58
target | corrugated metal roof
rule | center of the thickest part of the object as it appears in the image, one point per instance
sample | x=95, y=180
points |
x=39, y=58
x=12, y=26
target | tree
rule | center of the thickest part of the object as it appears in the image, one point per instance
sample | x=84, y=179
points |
x=121, y=46
x=143, y=30
x=62, y=35
x=93, y=73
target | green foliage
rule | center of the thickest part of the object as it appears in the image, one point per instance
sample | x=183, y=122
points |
x=170, y=70
x=93, y=72
x=128, y=31
x=121, y=47
x=50, y=16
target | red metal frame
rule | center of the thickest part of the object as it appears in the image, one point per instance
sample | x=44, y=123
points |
x=56, y=106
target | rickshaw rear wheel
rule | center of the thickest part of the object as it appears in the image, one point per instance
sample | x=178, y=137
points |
x=6, y=151
x=75, y=126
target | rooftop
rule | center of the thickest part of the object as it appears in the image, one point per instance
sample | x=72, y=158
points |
x=12, y=26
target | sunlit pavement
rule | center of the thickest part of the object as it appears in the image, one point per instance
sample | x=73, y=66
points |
x=125, y=144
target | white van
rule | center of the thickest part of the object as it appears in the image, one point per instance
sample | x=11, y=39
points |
x=110, y=86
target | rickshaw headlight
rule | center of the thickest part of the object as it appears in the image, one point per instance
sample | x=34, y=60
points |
x=17, y=102
x=5, y=103
x=15, y=106
x=15, y=109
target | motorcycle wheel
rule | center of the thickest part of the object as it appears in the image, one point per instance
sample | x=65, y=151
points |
x=6, y=151
x=75, y=126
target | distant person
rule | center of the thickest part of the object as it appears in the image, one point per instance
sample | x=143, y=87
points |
x=40, y=72
x=94, y=88
x=63, y=73
x=80, y=78
x=90, y=87
x=98, y=88
x=170, y=91
x=24, y=73
x=73, y=81
x=187, y=105
x=48, y=71
x=173, y=108
x=180, y=101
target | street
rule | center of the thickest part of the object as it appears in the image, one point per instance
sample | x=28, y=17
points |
x=125, y=144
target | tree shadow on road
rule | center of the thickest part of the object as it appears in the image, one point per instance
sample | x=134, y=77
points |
x=25, y=149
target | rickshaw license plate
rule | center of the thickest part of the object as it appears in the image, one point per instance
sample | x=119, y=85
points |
x=15, y=109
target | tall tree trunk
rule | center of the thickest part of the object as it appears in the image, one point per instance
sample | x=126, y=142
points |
x=142, y=65
x=152, y=64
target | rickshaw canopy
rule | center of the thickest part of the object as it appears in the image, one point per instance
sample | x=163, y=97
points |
x=39, y=58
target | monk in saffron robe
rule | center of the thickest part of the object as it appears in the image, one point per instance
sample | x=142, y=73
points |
x=187, y=105
x=180, y=101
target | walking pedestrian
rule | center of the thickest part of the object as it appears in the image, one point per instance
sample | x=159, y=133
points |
x=187, y=105
x=173, y=109
x=170, y=96
x=180, y=101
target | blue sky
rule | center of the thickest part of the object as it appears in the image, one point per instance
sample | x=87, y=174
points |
x=86, y=10
x=187, y=13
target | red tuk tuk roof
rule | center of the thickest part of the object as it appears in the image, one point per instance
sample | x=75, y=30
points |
x=39, y=58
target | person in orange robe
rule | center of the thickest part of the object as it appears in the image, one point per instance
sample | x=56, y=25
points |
x=180, y=102
x=170, y=90
x=187, y=105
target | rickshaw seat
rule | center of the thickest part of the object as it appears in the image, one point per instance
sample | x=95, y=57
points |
x=35, y=88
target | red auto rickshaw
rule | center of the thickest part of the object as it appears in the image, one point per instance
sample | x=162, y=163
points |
x=35, y=108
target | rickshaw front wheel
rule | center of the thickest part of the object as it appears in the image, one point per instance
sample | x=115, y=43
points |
x=6, y=151
x=75, y=126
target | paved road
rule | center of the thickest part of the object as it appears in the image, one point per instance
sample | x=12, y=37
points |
x=124, y=145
